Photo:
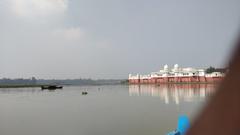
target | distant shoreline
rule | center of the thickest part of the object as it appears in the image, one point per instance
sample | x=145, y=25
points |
x=38, y=85
x=33, y=82
x=20, y=86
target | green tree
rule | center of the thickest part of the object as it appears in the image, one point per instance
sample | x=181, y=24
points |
x=210, y=69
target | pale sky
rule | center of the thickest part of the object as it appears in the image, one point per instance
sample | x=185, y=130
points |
x=112, y=38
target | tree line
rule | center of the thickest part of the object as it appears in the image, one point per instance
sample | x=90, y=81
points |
x=34, y=81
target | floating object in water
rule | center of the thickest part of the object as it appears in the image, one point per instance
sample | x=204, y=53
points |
x=183, y=125
x=84, y=93
x=51, y=87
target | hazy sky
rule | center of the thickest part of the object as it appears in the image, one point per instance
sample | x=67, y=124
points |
x=112, y=38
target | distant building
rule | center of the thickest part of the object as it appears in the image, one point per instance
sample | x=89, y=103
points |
x=177, y=75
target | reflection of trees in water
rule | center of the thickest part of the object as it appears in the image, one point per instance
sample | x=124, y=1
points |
x=174, y=92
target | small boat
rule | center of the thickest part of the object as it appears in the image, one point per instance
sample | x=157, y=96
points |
x=183, y=125
x=84, y=93
x=51, y=87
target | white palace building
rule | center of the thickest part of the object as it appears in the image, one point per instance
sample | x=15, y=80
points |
x=176, y=75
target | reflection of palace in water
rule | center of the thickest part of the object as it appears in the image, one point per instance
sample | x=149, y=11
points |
x=174, y=92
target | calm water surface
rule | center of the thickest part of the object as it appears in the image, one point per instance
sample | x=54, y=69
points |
x=106, y=110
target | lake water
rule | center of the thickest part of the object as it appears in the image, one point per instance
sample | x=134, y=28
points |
x=106, y=110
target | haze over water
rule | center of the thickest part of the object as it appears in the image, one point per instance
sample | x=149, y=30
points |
x=106, y=110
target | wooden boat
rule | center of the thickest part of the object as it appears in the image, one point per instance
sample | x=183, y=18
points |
x=51, y=87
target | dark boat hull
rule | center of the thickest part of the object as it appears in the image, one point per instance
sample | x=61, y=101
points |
x=51, y=87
